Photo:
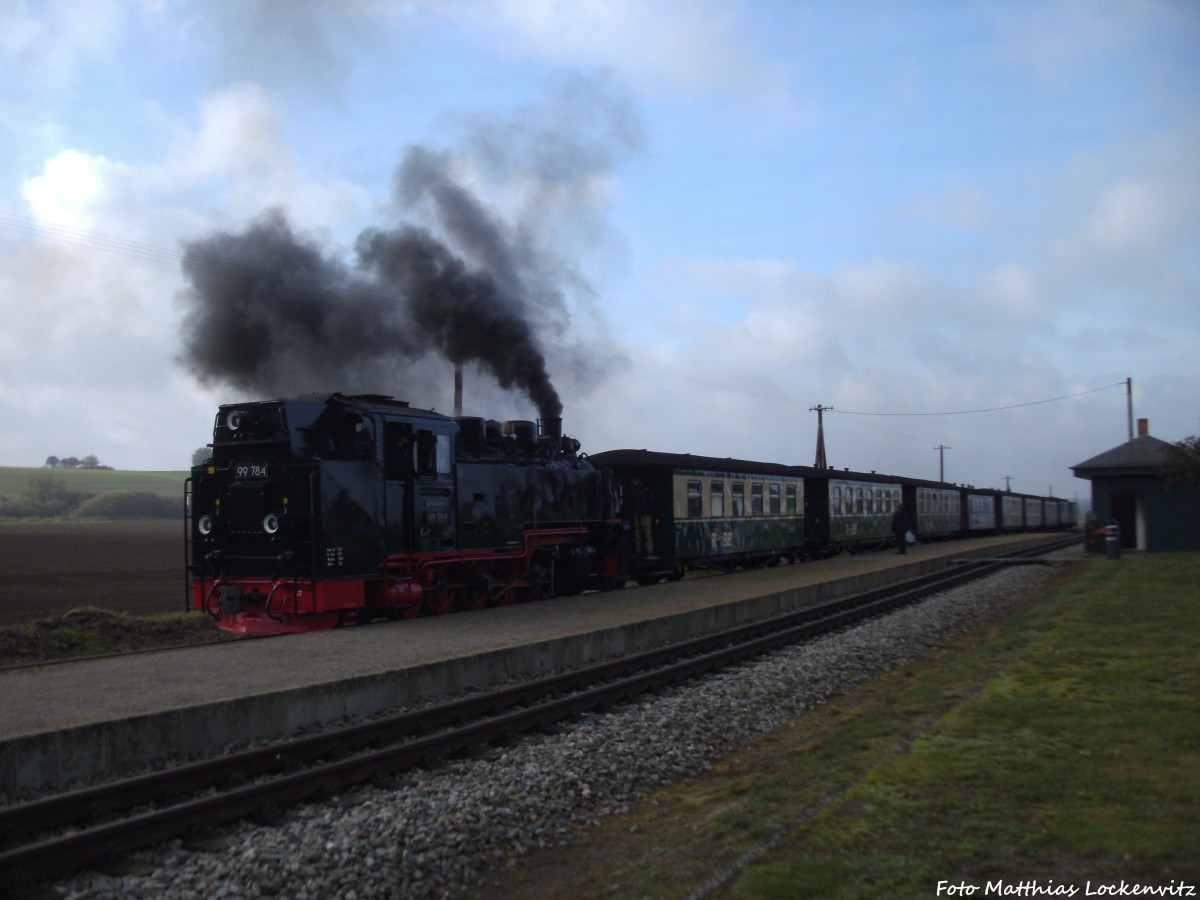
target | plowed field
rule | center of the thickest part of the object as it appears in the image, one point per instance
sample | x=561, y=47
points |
x=47, y=569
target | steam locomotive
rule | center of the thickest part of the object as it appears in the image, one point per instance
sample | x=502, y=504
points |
x=329, y=509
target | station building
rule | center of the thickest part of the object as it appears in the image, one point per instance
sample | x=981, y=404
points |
x=1152, y=513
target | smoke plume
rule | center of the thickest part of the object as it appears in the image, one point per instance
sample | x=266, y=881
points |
x=272, y=313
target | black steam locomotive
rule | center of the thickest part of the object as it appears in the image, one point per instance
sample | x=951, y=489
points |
x=330, y=509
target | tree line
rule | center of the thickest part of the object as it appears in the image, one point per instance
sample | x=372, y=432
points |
x=73, y=462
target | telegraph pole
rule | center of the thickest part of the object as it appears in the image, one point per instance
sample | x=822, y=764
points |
x=1129, y=404
x=942, y=461
x=1007, y=482
x=821, y=461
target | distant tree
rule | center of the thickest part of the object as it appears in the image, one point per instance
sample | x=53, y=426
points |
x=70, y=462
x=201, y=456
x=51, y=462
x=89, y=462
x=1183, y=462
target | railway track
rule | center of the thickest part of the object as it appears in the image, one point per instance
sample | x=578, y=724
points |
x=52, y=836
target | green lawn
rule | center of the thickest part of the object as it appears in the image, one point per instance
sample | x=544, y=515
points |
x=1076, y=762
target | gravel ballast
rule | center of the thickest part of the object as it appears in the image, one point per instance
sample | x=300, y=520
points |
x=435, y=833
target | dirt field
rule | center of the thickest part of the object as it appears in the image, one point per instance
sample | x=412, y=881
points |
x=48, y=569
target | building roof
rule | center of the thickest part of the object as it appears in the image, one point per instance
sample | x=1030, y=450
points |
x=1143, y=452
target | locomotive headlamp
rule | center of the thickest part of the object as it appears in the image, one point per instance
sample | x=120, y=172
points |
x=271, y=523
x=235, y=419
x=205, y=525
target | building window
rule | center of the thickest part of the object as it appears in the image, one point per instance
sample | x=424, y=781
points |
x=738, y=499
x=695, y=500
x=718, y=499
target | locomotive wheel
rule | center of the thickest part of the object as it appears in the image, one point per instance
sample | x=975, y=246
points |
x=439, y=600
x=476, y=593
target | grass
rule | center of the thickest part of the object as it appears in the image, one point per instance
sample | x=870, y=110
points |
x=1078, y=761
x=88, y=631
x=94, y=481
x=1060, y=746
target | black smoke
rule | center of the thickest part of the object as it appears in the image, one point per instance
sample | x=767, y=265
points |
x=272, y=312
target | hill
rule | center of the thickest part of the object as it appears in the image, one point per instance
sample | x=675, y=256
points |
x=27, y=493
x=14, y=480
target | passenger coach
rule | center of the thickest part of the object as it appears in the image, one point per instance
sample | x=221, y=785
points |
x=687, y=511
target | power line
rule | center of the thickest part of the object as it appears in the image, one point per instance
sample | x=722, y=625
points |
x=965, y=412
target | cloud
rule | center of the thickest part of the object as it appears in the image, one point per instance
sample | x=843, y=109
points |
x=697, y=49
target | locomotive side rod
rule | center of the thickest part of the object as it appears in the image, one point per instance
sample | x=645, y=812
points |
x=653, y=671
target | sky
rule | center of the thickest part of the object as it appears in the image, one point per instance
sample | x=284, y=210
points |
x=961, y=225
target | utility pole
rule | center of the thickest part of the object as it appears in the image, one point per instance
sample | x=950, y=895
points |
x=942, y=461
x=1129, y=403
x=821, y=461
x=1007, y=482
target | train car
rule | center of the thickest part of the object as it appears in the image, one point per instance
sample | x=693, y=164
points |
x=685, y=512
x=936, y=508
x=983, y=511
x=327, y=509
x=1034, y=516
x=1012, y=512
x=849, y=510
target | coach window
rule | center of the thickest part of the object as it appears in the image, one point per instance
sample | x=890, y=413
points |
x=858, y=501
x=790, y=499
x=756, y=499
x=774, y=498
x=738, y=499
x=837, y=502
x=695, y=501
x=718, y=499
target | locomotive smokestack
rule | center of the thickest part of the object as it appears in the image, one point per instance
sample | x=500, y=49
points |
x=457, y=391
x=552, y=429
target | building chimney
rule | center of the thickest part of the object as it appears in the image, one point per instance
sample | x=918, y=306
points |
x=1143, y=427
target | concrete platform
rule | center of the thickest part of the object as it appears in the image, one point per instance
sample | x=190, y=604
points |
x=92, y=720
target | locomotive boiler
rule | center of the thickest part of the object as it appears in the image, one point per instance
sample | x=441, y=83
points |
x=328, y=509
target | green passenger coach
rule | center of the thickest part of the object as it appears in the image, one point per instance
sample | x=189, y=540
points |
x=689, y=511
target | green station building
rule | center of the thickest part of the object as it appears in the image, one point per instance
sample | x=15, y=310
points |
x=1152, y=513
